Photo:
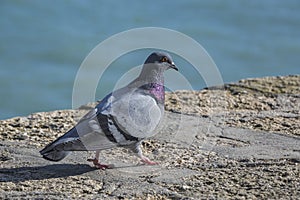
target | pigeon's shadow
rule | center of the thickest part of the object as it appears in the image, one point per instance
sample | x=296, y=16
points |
x=43, y=172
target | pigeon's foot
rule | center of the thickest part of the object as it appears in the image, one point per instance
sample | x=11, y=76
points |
x=99, y=165
x=148, y=161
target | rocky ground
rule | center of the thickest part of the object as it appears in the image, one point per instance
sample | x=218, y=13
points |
x=237, y=141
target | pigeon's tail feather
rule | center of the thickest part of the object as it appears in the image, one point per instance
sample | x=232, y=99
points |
x=55, y=155
x=54, y=151
x=62, y=146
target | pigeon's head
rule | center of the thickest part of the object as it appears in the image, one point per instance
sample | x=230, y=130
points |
x=160, y=60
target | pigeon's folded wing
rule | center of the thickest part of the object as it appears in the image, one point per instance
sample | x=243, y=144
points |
x=88, y=134
x=136, y=113
x=93, y=131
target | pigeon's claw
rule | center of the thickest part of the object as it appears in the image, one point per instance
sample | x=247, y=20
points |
x=99, y=165
x=148, y=161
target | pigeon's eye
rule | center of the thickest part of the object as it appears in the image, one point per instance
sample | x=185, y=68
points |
x=164, y=59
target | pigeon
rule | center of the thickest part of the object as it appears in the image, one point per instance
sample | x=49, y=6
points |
x=124, y=118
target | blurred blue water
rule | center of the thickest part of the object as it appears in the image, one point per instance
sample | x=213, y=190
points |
x=42, y=43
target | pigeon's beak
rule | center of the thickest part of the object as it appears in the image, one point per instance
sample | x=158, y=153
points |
x=173, y=66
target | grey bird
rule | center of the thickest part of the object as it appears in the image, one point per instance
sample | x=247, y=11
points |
x=124, y=118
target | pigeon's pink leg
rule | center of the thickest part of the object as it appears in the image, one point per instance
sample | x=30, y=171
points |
x=147, y=160
x=144, y=158
x=96, y=162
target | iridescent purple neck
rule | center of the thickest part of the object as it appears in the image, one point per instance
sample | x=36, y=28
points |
x=152, y=80
x=158, y=91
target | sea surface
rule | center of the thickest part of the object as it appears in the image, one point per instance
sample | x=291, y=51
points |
x=43, y=43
